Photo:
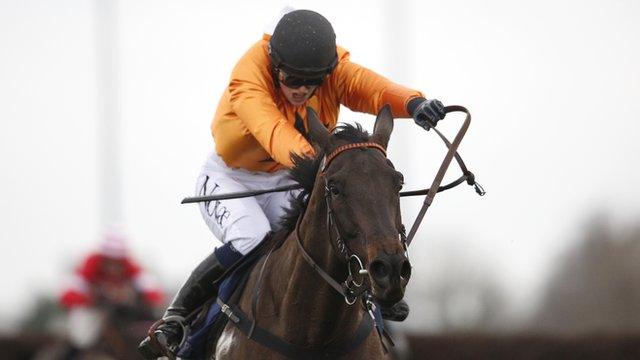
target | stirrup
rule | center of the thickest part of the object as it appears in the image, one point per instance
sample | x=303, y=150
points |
x=158, y=346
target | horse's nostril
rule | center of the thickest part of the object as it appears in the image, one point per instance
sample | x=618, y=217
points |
x=405, y=270
x=379, y=269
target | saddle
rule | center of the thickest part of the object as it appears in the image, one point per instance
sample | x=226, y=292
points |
x=207, y=326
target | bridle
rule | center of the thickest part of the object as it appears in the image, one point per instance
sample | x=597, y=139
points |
x=350, y=289
x=332, y=224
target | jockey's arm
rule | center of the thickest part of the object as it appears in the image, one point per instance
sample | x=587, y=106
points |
x=363, y=90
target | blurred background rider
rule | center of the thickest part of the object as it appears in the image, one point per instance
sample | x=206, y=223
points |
x=107, y=282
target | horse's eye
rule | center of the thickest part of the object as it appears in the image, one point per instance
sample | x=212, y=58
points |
x=334, y=190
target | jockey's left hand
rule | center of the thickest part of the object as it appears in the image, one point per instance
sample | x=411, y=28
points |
x=428, y=113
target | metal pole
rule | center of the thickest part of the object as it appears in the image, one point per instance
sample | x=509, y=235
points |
x=108, y=104
x=397, y=52
x=396, y=38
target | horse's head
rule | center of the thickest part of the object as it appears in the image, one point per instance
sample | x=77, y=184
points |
x=362, y=189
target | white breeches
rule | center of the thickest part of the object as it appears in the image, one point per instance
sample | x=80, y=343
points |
x=84, y=326
x=242, y=222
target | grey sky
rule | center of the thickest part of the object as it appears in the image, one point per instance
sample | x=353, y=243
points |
x=552, y=87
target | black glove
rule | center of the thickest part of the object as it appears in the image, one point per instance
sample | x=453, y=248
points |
x=428, y=113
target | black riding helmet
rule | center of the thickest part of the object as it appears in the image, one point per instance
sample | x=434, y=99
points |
x=303, y=45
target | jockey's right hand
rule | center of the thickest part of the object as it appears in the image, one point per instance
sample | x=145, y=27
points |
x=428, y=113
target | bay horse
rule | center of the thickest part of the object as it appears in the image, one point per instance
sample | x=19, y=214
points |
x=347, y=216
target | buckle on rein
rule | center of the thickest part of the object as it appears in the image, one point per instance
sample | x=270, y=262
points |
x=351, y=285
x=153, y=332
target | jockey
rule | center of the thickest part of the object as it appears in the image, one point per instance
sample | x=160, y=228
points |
x=106, y=276
x=255, y=132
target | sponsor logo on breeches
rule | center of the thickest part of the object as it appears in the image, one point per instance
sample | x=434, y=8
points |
x=219, y=212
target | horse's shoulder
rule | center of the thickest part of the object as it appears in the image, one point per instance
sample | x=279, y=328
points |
x=225, y=346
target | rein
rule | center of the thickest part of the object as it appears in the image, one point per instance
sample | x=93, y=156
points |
x=451, y=153
x=467, y=176
x=345, y=289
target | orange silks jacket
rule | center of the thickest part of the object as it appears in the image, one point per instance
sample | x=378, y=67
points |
x=254, y=125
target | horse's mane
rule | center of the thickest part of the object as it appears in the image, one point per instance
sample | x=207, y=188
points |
x=304, y=172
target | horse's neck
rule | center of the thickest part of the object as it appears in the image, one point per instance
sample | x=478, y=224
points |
x=319, y=312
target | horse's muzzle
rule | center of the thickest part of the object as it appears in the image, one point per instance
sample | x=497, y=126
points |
x=390, y=275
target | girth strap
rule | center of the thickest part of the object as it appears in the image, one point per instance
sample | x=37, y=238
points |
x=267, y=339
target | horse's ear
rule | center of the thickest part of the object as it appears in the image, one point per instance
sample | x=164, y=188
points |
x=318, y=134
x=383, y=127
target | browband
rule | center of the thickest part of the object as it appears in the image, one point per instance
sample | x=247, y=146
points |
x=329, y=158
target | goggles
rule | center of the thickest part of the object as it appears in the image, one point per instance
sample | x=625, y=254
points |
x=295, y=82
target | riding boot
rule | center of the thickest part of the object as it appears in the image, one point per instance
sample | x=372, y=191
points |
x=397, y=312
x=198, y=288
